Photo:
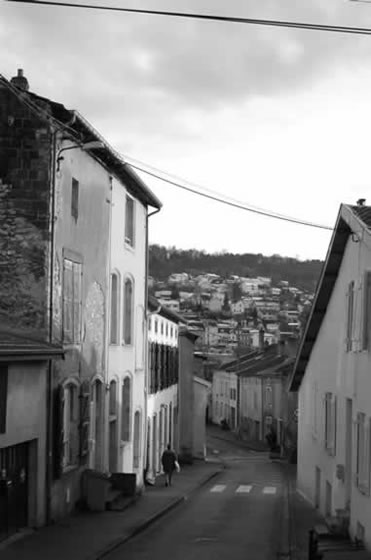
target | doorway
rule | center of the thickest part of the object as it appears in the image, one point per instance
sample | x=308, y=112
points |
x=13, y=489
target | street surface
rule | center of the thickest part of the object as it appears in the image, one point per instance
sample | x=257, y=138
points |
x=236, y=516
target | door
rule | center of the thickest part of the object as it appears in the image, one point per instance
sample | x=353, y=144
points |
x=13, y=489
x=348, y=451
x=317, y=493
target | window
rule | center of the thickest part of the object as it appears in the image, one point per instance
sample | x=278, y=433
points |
x=366, y=331
x=136, y=442
x=149, y=323
x=75, y=199
x=126, y=409
x=167, y=329
x=3, y=397
x=72, y=287
x=350, y=312
x=314, y=409
x=129, y=221
x=162, y=327
x=156, y=326
x=171, y=331
x=128, y=311
x=70, y=425
x=363, y=454
x=268, y=395
x=330, y=423
x=114, y=322
x=112, y=398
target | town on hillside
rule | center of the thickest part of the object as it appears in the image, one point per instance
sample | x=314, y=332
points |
x=146, y=411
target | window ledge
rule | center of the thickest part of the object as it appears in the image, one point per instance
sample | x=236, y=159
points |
x=129, y=247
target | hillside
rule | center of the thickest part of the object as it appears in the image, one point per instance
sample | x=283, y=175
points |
x=164, y=261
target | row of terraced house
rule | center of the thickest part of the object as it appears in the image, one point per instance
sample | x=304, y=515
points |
x=93, y=375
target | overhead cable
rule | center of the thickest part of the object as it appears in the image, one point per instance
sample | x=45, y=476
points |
x=220, y=198
x=208, y=17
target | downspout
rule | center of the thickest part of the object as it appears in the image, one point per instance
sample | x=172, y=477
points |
x=105, y=454
x=146, y=373
x=49, y=382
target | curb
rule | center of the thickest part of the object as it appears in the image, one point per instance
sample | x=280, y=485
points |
x=154, y=517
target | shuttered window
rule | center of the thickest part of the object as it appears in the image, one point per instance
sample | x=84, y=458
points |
x=84, y=427
x=366, y=331
x=70, y=425
x=330, y=423
x=363, y=454
x=128, y=311
x=350, y=314
x=72, y=301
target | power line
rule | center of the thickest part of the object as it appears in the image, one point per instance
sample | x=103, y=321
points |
x=219, y=198
x=209, y=17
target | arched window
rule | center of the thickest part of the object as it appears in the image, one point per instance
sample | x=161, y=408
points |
x=112, y=429
x=126, y=409
x=114, y=319
x=70, y=425
x=137, y=439
x=128, y=311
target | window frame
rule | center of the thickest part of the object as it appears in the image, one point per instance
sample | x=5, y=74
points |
x=71, y=427
x=128, y=340
x=116, y=275
x=72, y=336
x=75, y=192
x=129, y=236
x=126, y=408
x=330, y=423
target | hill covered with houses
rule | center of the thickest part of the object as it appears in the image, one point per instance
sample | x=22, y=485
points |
x=164, y=261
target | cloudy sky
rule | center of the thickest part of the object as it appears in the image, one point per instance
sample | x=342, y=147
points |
x=277, y=118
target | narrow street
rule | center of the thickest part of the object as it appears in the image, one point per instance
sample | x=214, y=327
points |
x=236, y=516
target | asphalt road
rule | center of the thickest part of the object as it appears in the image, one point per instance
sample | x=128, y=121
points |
x=237, y=516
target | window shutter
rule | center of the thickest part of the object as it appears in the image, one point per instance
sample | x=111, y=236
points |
x=84, y=421
x=334, y=411
x=67, y=300
x=366, y=323
x=3, y=397
x=349, y=337
x=58, y=431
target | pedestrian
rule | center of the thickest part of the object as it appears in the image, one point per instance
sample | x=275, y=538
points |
x=169, y=462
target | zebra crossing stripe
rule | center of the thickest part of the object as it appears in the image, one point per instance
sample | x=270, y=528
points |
x=269, y=490
x=243, y=489
x=218, y=488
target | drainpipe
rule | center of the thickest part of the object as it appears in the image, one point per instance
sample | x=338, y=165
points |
x=146, y=316
x=105, y=439
x=49, y=381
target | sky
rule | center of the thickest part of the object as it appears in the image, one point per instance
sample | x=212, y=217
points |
x=276, y=118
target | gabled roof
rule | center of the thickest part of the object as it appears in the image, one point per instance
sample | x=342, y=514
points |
x=84, y=132
x=154, y=305
x=16, y=346
x=267, y=365
x=351, y=220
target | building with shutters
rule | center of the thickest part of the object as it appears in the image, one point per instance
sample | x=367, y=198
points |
x=332, y=375
x=65, y=252
x=163, y=379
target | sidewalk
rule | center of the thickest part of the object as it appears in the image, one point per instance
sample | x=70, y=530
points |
x=91, y=536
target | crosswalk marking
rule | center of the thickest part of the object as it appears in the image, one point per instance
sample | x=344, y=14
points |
x=269, y=490
x=218, y=488
x=243, y=488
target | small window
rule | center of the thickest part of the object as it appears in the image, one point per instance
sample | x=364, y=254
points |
x=156, y=326
x=330, y=423
x=171, y=331
x=167, y=329
x=162, y=327
x=136, y=440
x=129, y=221
x=149, y=323
x=75, y=199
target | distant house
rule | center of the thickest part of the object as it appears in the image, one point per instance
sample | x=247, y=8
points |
x=332, y=375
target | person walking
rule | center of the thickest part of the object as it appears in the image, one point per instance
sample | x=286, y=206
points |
x=168, y=461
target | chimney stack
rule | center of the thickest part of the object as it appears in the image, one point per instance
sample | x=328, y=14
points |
x=20, y=81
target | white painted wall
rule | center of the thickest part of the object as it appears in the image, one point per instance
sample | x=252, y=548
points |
x=129, y=359
x=348, y=374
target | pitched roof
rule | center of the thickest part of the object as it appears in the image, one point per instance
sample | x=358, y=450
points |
x=107, y=155
x=351, y=220
x=267, y=365
x=16, y=346
x=154, y=305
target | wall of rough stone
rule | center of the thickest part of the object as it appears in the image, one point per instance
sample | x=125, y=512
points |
x=25, y=156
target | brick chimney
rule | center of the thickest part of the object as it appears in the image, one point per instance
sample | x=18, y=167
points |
x=20, y=81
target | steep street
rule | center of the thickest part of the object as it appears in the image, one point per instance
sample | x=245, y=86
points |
x=237, y=515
